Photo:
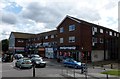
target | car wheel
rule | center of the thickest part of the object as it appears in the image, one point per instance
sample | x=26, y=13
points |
x=20, y=67
x=45, y=65
x=16, y=65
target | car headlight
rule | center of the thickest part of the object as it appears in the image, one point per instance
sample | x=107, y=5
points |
x=79, y=64
x=37, y=62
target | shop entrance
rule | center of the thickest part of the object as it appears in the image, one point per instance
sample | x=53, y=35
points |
x=86, y=56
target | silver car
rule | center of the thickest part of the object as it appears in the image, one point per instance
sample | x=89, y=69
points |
x=23, y=63
x=38, y=62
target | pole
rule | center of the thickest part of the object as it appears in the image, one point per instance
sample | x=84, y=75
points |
x=33, y=70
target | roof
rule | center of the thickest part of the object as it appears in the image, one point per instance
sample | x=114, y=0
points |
x=22, y=35
x=83, y=22
x=47, y=33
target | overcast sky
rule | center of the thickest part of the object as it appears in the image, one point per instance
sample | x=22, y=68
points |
x=36, y=16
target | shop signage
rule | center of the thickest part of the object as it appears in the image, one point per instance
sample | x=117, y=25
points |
x=69, y=48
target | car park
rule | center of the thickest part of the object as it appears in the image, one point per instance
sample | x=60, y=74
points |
x=23, y=63
x=38, y=62
x=69, y=62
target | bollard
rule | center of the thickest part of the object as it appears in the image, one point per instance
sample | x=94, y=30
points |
x=74, y=73
x=111, y=66
x=107, y=76
x=33, y=70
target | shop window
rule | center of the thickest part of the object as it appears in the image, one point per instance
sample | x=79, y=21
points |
x=71, y=27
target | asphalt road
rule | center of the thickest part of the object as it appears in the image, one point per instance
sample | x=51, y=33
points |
x=52, y=70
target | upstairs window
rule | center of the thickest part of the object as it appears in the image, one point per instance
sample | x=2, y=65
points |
x=20, y=41
x=107, y=32
x=52, y=36
x=114, y=34
x=94, y=29
x=61, y=30
x=101, y=40
x=71, y=27
x=61, y=40
x=118, y=35
x=110, y=33
x=101, y=30
x=94, y=40
x=71, y=39
x=46, y=37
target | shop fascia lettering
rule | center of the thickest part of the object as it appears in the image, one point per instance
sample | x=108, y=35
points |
x=73, y=48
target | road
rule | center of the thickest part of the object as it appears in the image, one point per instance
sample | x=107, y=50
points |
x=52, y=70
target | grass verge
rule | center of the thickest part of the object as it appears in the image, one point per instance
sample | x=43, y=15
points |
x=112, y=72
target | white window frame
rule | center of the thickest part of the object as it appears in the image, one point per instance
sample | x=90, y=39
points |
x=61, y=40
x=71, y=39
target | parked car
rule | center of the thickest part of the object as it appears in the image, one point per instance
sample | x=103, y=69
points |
x=38, y=62
x=62, y=58
x=69, y=62
x=18, y=56
x=33, y=55
x=23, y=63
x=7, y=58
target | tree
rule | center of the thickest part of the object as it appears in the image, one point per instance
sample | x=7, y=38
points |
x=5, y=44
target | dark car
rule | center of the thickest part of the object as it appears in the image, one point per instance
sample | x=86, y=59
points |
x=7, y=58
x=38, y=62
x=69, y=62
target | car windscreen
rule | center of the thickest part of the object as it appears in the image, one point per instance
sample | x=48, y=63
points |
x=38, y=59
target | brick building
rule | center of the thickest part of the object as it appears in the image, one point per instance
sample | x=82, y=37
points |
x=74, y=38
x=17, y=42
x=86, y=41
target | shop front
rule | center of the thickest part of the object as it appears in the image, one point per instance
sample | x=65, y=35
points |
x=69, y=51
x=19, y=49
x=41, y=51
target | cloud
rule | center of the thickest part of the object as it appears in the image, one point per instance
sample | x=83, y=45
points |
x=36, y=16
x=9, y=18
